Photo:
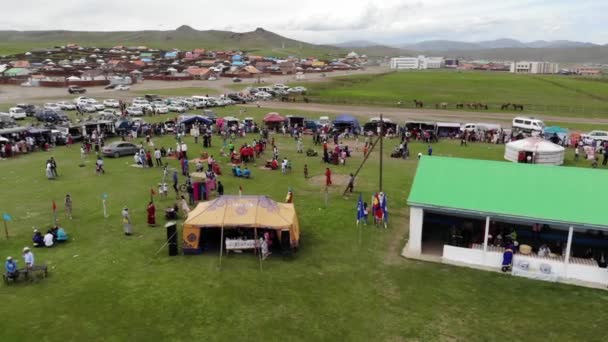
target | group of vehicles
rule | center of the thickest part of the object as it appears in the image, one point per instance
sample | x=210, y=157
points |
x=278, y=90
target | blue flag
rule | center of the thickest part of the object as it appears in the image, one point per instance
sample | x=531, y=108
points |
x=384, y=209
x=360, y=209
x=6, y=217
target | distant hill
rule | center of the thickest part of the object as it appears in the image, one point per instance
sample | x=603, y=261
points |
x=594, y=54
x=504, y=43
x=185, y=37
x=356, y=44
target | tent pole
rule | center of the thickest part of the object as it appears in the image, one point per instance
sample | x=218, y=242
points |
x=259, y=248
x=221, y=246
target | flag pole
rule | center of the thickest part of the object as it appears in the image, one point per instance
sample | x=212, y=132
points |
x=6, y=229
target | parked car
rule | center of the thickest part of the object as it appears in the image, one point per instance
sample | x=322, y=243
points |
x=76, y=90
x=141, y=104
x=98, y=106
x=236, y=80
x=262, y=95
x=135, y=111
x=152, y=97
x=52, y=106
x=112, y=103
x=30, y=110
x=65, y=105
x=48, y=115
x=212, y=78
x=280, y=86
x=87, y=108
x=297, y=90
x=237, y=98
x=176, y=108
x=108, y=112
x=595, y=136
x=160, y=109
x=110, y=86
x=122, y=87
x=527, y=124
x=120, y=148
x=81, y=99
x=17, y=113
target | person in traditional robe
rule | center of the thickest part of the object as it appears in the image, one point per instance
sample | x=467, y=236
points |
x=151, y=214
x=126, y=222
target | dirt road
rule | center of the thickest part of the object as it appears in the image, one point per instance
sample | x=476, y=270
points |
x=403, y=114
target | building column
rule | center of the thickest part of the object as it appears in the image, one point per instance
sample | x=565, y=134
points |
x=486, y=234
x=414, y=245
x=568, y=249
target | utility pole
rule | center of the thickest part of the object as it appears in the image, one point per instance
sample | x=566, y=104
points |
x=381, y=134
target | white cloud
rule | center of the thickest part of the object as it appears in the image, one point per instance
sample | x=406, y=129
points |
x=389, y=21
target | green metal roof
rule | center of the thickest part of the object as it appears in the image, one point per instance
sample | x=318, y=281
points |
x=557, y=194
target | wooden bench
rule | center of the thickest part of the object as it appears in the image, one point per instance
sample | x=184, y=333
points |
x=25, y=273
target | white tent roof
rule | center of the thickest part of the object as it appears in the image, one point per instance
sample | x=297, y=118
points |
x=535, y=145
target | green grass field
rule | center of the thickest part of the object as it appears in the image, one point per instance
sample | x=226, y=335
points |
x=105, y=286
x=555, y=95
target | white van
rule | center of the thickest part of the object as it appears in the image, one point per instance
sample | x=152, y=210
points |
x=17, y=113
x=527, y=124
x=474, y=127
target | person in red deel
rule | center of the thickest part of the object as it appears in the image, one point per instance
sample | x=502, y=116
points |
x=327, y=177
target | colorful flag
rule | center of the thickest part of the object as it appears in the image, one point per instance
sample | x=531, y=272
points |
x=54, y=206
x=385, y=210
x=152, y=192
x=240, y=190
x=6, y=217
x=360, y=209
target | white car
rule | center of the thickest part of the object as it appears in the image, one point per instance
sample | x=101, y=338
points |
x=212, y=78
x=98, y=106
x=109, y=112
x=65, y=105
x=160, y=109
x=82, y=99
x=112, y=103
x=135, y=111
x=595, y=136
x=141, y=104
x=122, y=87
x=17, y=113
x=280, y=86
x=52, y=106
x=297, y=90
x=176, y=108
x=87, y=108
x=263, y=95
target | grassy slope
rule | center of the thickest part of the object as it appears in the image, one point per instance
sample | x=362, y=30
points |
x=543, y=94
x=101, y=285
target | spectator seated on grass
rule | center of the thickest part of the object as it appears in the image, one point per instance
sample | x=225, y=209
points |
x=235, y=158
x=61, y=235
x=236, y=171
x=38, y=239
x=246, y=173
x=311, y=153
x=272, y=164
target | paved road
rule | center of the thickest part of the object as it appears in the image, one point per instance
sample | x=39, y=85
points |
x=421, y=114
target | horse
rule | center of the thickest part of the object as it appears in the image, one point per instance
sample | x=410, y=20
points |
x=418, y=104
x=284, y=99
x=518, y=107
x=306, y=100
x=505, y=106
x=442, y=105
x=460, y=106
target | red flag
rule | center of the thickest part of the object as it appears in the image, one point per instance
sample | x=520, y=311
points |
x=240, y=190
x=54, y=206
x=152, y=192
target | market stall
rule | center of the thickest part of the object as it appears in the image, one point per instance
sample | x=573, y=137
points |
x=243, y=218
x=187, y=121
x=534, y=151
x=344, y=121
x=556, y=135
x=274, y=121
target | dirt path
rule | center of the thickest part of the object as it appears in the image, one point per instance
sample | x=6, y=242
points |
x=403, y=114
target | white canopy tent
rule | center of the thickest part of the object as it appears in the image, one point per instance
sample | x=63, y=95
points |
x=541, y=151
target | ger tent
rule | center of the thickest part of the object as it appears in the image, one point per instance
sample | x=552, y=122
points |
x=273, y=120
x=189, y=120
x=539, y=150
x=243, y=212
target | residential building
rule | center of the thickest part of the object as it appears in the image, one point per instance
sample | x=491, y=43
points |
x=534, y=68
x=420, y=62
x=588, y=71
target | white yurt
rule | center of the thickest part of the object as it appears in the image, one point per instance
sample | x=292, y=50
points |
x=535, y=150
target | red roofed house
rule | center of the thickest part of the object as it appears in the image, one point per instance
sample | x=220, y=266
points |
x=198, y=73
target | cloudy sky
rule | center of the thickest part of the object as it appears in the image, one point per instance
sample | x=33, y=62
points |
x=323, y=21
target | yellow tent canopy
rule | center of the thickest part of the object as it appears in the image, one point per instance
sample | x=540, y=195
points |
x=242, y=212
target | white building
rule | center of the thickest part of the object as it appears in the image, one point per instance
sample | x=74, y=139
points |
x=534, y=68
x=420, y=62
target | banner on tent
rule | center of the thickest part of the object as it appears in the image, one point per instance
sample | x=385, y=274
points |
x=191, y=240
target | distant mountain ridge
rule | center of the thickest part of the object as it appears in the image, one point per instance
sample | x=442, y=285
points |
x=503, y=43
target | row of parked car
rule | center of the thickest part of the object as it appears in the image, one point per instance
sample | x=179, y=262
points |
x=278, y=90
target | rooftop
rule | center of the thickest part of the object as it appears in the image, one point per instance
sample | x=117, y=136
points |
x=546, y=193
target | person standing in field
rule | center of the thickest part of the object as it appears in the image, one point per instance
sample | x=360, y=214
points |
x=68, y=206
x=157, y=156
x=126, y=222
x=351, y=183
x=305, y=171
x=151, y=214
x=327, y=177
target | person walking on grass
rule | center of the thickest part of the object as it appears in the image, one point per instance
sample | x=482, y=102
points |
x=351, y=183
x=151, y=214
x=157, y=156
x=576, y=153
x=126, y=222
x=305, y=171
x=327, y=177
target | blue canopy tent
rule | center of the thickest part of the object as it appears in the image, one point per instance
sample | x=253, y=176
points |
x=189, y=120
x=551, y=132
x=341, y=122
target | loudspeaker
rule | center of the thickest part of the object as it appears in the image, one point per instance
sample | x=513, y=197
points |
x=172, y=238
